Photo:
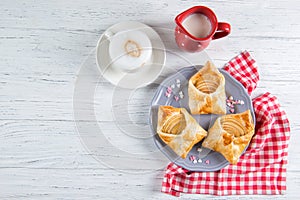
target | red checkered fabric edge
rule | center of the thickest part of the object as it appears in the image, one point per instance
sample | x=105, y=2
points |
x=244, y=69
x=260, y=170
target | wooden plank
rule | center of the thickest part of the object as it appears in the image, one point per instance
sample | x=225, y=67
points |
x=43, y=45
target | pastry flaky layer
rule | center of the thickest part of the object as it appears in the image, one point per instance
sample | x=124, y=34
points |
x=178, y=129
x=230, y=135
x=206, y=91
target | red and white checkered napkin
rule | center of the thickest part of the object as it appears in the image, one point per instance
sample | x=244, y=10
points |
x=262, y=168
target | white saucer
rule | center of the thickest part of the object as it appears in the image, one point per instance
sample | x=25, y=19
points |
x=143, y=76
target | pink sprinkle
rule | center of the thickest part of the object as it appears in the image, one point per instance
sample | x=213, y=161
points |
x=176, y=98
x=207, y=162
x=231, y=110
x=231, y=106
x=167, y=94
x=169, y=89
x=228, y=101
x=192, y=158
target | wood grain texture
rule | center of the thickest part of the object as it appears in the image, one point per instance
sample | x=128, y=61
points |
x=43, y=46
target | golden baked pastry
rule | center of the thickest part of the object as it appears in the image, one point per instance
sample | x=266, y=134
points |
x=230, y=135
x=206, y=91
x=178, y=129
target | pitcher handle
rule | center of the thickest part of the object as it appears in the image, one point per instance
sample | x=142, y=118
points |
x=222, y=31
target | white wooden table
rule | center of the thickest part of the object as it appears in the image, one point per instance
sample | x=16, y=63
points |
x=45, y=45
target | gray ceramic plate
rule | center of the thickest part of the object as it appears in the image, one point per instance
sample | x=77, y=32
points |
x=209, y=160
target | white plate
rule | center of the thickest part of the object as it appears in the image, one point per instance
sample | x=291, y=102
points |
x=143, y=76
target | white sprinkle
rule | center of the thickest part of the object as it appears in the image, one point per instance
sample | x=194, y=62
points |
x=195, y=161
x=173, y=86
x=182, y=44
x=199, y=160
x=178, y=85
x=199, y=149
x=242, y=102
x=229, y=104
x=177, y=80
x=230, y=98
x=181, y=95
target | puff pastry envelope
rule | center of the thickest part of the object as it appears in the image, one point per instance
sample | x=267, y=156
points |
x=230, y=135
x=178, y=129
x=206, y=91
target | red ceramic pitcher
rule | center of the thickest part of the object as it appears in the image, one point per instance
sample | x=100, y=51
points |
x=190, y=42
